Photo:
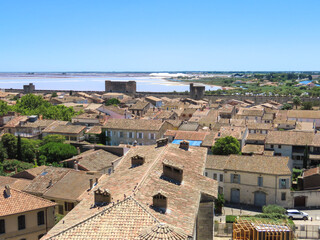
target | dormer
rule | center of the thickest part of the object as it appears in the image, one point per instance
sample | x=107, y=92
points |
x=102, y=197
x=137, y=160
x=160, y=201
x=172, y=171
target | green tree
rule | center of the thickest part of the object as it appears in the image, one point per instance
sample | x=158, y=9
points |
x=296, y=101
x=53, y=138
x=306, y=106
x=19, y=151
x=4, y=108
x=226, y=146
x=3, y=153
x=28, y=150
x=286, y=106
x=54, y=94
x=218, y=203
x=56, y=152
x=9, y=142
x=112, y=101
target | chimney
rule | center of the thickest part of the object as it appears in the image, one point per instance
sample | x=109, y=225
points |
x=7, y=191
x=50, y=183
x=162, y=142
x=97, y=180
x=91, y=183
x=76, y=167
x=184, y=145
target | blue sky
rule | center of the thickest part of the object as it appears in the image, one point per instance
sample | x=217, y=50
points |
x=159, y=35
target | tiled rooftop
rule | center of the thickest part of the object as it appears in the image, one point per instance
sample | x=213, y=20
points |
x=133, y=124
x=143, y=181
x=20, y=202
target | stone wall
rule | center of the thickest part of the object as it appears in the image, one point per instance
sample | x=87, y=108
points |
x=121, y=87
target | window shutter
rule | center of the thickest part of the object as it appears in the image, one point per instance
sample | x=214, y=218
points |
x=149, y=135
x=232, y=177
x=239, y=179
x=280, y=183
x=287, y=183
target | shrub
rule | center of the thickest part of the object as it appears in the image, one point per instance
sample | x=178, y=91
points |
x=231, y=218
x=273, y=209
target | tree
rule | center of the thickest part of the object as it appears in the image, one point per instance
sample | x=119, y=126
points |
x=112, y=101
x=296, y=101
x=3, y=153
x=286, y=106
x=9, y=142
x=19, y=151
x=28, y=150
x=306, y=106
x=218, y=203
x=226, y=146
x=54, y=94
x=56, y=152
x=53, y=138
x=4, y=108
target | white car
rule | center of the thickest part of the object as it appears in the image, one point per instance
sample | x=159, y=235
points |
x=295, y=214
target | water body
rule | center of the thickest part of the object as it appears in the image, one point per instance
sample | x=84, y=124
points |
x=90, y=82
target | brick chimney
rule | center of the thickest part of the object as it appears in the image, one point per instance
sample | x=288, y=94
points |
x=7, y=191
x=91, y=183
x=162, y=142
x=184, y=145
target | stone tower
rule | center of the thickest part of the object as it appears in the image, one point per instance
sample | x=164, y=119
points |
x=196, y=92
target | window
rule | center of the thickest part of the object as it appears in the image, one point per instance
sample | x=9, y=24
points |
x=21, y=222
x=140, y=135
x=271, y=146
x=40, y=218
x=215, y=176
x=283, y=196
x=221, y=177
x=109, y=133
x=68, y=206
x=283, y=183
x=2, y=226
x=120, y=134
x=279, y=146
x=130, y=135
x=152, y=136
x=260, y=181
x=206, y=174
x=109, y=171
x=235, y=178
x=220, y=190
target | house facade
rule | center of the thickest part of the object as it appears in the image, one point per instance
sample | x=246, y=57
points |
x=252, y=180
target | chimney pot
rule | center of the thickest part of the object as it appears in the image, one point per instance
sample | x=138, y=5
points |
x=91, y=183
x=7, y=191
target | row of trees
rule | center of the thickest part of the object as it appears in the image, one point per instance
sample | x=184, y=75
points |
x=35, y=105
x=49, y=151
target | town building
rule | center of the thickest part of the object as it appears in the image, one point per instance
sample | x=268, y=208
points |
x=252, y=180
x=151, y=185
x=24, y=216
x=120, y=86
x=139, y=131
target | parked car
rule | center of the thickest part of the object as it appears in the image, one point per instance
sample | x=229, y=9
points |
x=295, y=214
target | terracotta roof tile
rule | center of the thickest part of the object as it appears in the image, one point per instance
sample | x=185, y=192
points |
x=20, y=202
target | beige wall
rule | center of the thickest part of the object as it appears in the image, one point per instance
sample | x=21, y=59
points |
x=145, y=140
x=32, y=230
x=249, y=185
x=61, y=202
